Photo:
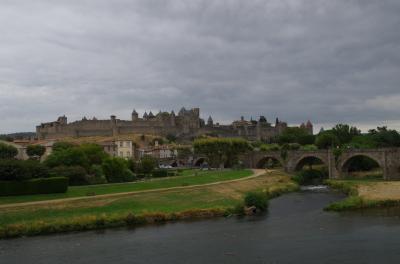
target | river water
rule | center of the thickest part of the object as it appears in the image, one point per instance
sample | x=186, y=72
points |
x=296, y=230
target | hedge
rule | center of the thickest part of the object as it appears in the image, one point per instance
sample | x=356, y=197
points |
x=20, y=170
x=34, y=186
x=75, y=174
x=160, y=173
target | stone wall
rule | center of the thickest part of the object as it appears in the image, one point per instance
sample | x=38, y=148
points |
x=387, y=158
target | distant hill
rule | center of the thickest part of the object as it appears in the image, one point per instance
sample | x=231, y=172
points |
x=18, y=135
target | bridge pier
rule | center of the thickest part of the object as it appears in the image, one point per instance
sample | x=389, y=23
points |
x=387, y=158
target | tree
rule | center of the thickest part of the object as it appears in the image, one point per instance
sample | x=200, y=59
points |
x=7, y=151
x=115, y=169
x=6, y=138
x=35, y=151
x=326, y=140
x=94, y=153
x=68, y=157
x=62, y=146
x=363, y=142
x=345, y=133
x=184, y=152
x=296, y=135
x=385, y=137
x=147, y=164
x=221, y=151
x=171, y=137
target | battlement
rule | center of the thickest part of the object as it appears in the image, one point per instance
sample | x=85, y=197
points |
x=187, y=124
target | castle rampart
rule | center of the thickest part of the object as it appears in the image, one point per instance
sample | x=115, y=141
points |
x=186, y=124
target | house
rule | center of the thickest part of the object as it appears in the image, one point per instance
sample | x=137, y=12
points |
x=119, y=148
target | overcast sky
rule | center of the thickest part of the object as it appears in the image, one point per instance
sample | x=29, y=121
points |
x=327, y=61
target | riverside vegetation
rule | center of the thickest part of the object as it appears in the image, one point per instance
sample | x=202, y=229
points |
x=220, y=199
x=365, y=193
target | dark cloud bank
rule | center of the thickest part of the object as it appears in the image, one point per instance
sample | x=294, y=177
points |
x=328, y=61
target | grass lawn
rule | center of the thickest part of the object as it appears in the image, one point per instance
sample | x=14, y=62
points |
x=189, y=177
x=113, y=211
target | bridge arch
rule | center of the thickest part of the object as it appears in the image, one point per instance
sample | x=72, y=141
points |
x=265, y=160
x=373, y=161
x=199, y=161
x=309, y=159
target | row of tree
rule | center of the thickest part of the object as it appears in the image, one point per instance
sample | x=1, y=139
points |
x=342, y=135
x=81, y=164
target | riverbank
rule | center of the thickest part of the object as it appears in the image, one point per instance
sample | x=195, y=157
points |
x=209, y=200
x=188, y=178
x=367, y=193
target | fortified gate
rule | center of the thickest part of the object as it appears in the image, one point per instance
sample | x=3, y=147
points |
x=292, y=160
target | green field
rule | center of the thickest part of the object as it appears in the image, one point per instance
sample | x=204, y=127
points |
x=189, y=177
x=170, y=204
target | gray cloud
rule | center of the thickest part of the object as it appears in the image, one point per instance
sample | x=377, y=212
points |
x=328, y=61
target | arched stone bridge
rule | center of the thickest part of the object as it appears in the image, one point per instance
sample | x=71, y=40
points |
x=387, y=158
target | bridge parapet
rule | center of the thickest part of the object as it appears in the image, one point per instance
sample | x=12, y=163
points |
x=387, y=158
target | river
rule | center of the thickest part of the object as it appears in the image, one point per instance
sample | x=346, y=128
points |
x=295, y=230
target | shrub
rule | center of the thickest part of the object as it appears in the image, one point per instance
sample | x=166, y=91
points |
x=160, y=173
x=269, y=147
x=94, y=153
x=257, y=199
x=7, y=151
x=34, y=186
x=129, y=176
x=18, y=170
x=67, y=157
x=147, y=164
x=36, y=169
x=132, y=165
x=326, y=140
x=34, y=151
x=96, y=175
x=76, y=174
x=309, y=147
x=115, y=169
x=238, y=209
x=62, y=146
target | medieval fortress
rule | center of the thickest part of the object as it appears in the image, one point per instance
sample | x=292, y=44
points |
x=187, y=124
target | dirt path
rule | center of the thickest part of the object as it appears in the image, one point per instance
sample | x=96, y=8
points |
x=256, y=173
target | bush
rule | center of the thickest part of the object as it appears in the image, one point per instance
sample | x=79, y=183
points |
x=7, y=151
x=34, y=186
x=96, y=175
x=309, y=147
x=290, y=146
x=115, y=169
x=257, y=199
x=147, y=164
x=160, y=173
x=94, y=153
x=19, y=170
x=270, y=147
x=68, y=157
x=63, y=146
x=129, y=176
x=326, y=140
x=76, y=174
x=34, y=151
